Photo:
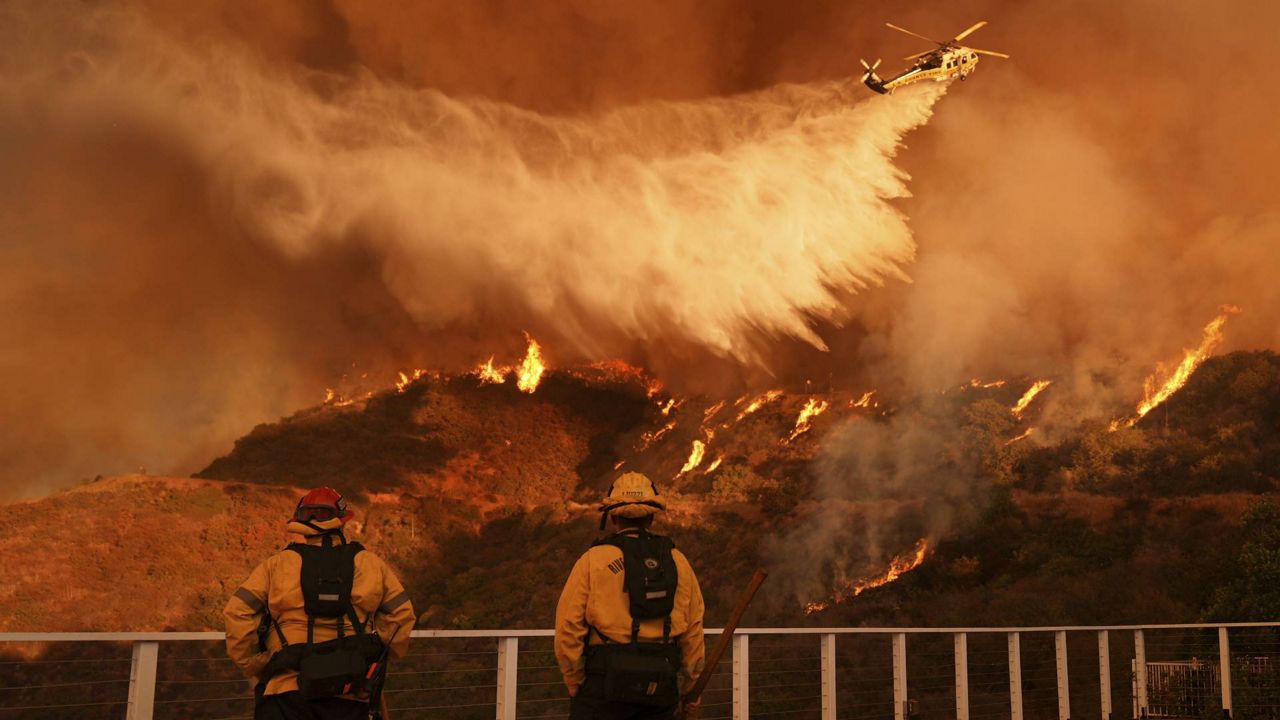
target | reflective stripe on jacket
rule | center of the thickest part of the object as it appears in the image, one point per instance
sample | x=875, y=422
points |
x=276, y=584
x=595, y=593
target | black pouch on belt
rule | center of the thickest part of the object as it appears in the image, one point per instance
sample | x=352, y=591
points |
x=337, y=667
x=641, y=673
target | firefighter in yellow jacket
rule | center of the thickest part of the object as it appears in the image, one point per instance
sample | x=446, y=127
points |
x=629, y=638
x=311, y=594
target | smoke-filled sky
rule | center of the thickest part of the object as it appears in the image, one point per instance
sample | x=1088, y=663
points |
x=209, y=211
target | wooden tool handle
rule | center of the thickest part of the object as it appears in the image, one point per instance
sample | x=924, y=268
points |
x=722, y=643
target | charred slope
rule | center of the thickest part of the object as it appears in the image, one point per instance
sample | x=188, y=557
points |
x=481, y=496
x=493, y=441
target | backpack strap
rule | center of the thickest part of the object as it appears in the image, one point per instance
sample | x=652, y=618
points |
x=279, y=633
x=646, y=601
x=322, y=567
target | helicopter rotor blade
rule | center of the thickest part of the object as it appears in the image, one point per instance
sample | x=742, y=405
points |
x=972, y=28
x=870, y=69
x=918, y=55
x=913, y=34
x=992, y=53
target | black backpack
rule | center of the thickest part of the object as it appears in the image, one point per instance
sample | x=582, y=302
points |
x=636, y=672
x=339, y=666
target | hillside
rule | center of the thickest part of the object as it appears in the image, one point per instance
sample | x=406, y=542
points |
x=455, y=481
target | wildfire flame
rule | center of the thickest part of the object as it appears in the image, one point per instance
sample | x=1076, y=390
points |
x=616, y=370
x=865, y=401
x=757, y=403
x=669, y=405
x=1156, y=390
x=649, y=437
x=714, y=464
x=1026, y=434
x=695, y=457
x=1031, y=393
x=490, y=375
x=529, y=374
x=899, y=566
x=976, y=383
x=404, y=380
x=812, y=409
x=711, y=411
x=329, y=395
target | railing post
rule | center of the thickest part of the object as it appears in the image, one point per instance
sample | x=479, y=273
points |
x=900, y=710
x=1015, y=676
x=1224, y=668
x=1064, y=683
x=828, y=676
x=962, y=676
x=508, y=668
x=1104, y=672
x=1139, y=675
x=142, y=680
x=741, y=677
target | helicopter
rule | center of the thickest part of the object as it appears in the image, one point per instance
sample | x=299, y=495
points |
x=948, y=61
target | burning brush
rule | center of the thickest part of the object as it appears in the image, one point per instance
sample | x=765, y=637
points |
x=898, y=567
x=1161, y=385
x=528, y=372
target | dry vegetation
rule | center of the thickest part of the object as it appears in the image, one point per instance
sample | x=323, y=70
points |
x=482, y=496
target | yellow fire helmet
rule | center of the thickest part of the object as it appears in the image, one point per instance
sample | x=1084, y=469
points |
x=631, y=496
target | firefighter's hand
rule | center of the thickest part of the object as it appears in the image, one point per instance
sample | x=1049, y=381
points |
x=689, y=708
x=573, y=690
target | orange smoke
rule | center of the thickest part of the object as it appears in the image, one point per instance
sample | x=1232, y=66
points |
x=899, y=566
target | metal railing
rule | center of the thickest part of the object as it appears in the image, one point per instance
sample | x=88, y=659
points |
x=1033, y=673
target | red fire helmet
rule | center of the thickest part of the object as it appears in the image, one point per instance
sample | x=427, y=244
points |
x=323, y=503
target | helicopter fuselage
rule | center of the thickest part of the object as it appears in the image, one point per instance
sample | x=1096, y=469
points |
x=943, y=64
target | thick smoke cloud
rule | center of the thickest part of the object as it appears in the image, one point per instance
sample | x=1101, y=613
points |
x=210, y=210
x=716, y=225
x=1082, y=210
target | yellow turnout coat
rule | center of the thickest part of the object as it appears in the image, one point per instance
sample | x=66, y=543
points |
x=596, y=594
x=276, y=585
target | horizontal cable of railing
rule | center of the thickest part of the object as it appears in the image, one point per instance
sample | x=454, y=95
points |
x=89, y=636
x=881, y=673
